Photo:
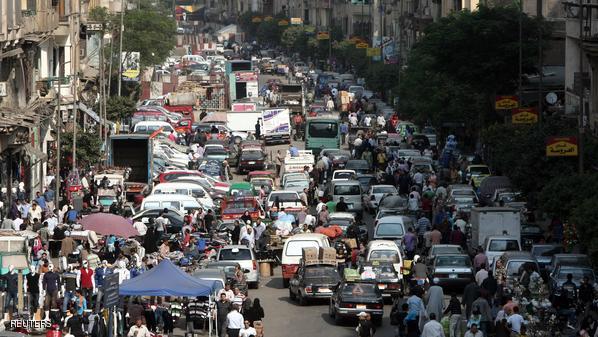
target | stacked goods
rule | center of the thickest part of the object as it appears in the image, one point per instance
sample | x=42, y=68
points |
x=351, y=243
x=328, y=255
x=310, y=255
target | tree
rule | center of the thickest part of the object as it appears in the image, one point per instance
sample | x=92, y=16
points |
x=150, y=32
x=468, y=58
x=119, y=108
x=88, y=147
x=584, y=217
x=269, y=32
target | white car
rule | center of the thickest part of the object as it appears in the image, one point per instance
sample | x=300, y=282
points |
x=339, y=175
x=245, y=258
x=376, y=193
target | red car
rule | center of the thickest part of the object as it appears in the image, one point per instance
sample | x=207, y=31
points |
x=233, y=208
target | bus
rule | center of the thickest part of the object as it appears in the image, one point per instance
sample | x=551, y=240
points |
x=322, y=133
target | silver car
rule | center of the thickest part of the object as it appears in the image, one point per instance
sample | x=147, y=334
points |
x=350, y=191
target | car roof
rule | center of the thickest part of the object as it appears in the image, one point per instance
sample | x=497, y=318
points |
x=393, y=219
x=381, y=243
x=170, y=197
x=445, y=246
x=306, y=236
x=346, y=182
x=235, y=246
x=374, y=186
x=342, y=215
x=516, y=255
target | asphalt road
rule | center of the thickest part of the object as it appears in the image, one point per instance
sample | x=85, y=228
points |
x=285, y=317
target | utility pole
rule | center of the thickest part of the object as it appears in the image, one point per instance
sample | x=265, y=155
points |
x=330, y=32
x=580, y=130
x=75, y=113
x=102, y=87
x=540, y=61
x=120, y=47
x=58, y=132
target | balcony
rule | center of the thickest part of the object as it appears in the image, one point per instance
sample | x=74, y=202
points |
x=588, y=24
x=38, y=22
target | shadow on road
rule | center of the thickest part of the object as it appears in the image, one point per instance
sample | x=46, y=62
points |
x=345, y=322
x=275, y=283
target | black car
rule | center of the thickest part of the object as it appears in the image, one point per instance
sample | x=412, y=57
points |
x=351, y=298
x=251, y=160
x=531, y=234
x=387, y=278
x=313, y=281
x=175, y=219
x=358, y=165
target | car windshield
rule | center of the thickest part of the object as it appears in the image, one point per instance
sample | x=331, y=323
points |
x=359, y=290
x=323, y=129
x=476, y=170
x=296, y=183
x=284, y=197
x=452, y=261
x=463, y=193
x=574, y=261
x=384, y=255
x=389, y=229
x=502, y=245
x=215, y=151
x=322, y=274
x=357, y=165
x=394, y=201
x=347, y=190
x=445, y=250
x=252, y=155
x=422, y=168
x=514, y=267
x=295, y=247
x=343, y=175
x=234, y=254
x=384, y=190
x=546, y=251
x=241, y=204
x=578, y=274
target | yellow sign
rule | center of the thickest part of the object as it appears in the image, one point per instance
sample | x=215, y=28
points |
x=524, y=116
x=268, y=18
x=361, y=45
x=373, y=52
x=355, y=39
x=296, y=21
x=506, y=102
x=323, y=36
x=309, y=29
x=256, y=19
x=283, y=23
x=561, y=147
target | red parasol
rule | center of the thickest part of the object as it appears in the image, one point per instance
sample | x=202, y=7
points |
x=107, y=224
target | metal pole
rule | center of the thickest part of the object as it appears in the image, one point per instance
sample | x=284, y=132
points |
x=120, y=47
x=519, y=85
x=75, y=111
x=540, y=61
x=330, y=32
x=580, y=130
x=111, y=61
x=102, y=88
x=58, y=131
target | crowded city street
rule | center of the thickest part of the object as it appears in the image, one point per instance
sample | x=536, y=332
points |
x=269, y=168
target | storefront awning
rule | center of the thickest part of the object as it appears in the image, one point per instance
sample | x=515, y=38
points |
x=89, y=112
x=39, y=155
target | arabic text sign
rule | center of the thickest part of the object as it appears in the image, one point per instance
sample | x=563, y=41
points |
x=130, y=66
x=506, y=102
x=524, y=116
x=561, y=147
x=243, y=107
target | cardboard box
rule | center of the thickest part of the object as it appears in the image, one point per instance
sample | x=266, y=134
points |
x=352, y=243
x=329, y=262
x=310, y=253
x=327, y=253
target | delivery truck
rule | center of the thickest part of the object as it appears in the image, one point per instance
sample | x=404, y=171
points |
x=276, y=126
x=133, y=151
x=490, y=222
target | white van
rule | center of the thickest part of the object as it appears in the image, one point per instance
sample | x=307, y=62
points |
x=293, y=250
x=181, y=203
x=149, y=127
x=193, y=190
x=192, y=58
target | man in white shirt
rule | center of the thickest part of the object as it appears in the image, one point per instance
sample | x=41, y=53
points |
x=248, y=331
x=380, y=120
x=433, y=328
x=418, y=178
x=234, y=322
x=481, y=275
x=367, y=121
x=310, y=220
x=353, y=119
x=515, y=321
x=474, y=332
x=140, y=227
x=230, y=295
x=16, y=224
x=139, y=330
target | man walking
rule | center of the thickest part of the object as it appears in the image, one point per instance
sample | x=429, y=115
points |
x=234, y=322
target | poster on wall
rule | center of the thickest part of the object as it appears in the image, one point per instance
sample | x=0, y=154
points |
x=390, y=52
x=252, y=89
x=130, y=66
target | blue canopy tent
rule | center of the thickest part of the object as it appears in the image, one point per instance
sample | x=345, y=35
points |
x=166, y=279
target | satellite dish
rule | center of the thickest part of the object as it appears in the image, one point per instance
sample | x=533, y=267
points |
x=551, y=98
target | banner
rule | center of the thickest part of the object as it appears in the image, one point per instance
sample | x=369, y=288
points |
x=296, y=21
x=373, y=52
x=246, y=76
x=283, y=23
x=506, y=102
x=561, y=147
x=323, y=36
x=243, y=107
x=524, y=116
x=361, y=45
x=130, y=66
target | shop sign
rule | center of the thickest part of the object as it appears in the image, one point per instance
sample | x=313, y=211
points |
x=296, y=21
x=323, y=36
x=524, y=116
x=561, y=147
x=247, y=76
x=256, y=19
x=361, y=45
x=373, y=52
x=283, y=23
x=506, y=102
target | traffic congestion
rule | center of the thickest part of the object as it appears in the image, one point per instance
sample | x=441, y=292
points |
x=266, y=197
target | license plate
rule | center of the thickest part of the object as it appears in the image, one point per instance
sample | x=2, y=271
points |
x=453, y=275
x=382, y=286
x=323, y=290
x=361, y=306
x=251, y=163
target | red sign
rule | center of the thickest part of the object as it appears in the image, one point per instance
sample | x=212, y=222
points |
x=524, y=116
x=561, y=147
x=506, y=102
x=243, y=107
x=246, y=76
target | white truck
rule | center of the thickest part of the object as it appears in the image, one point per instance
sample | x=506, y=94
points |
x=276, y=126
x=297, y=164
x=487, y=222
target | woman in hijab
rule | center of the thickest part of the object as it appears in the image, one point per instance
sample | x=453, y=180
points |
x=435, y=300
x=256, y=313
x=245, y=217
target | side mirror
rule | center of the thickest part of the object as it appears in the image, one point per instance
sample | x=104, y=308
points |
x=245, y=271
